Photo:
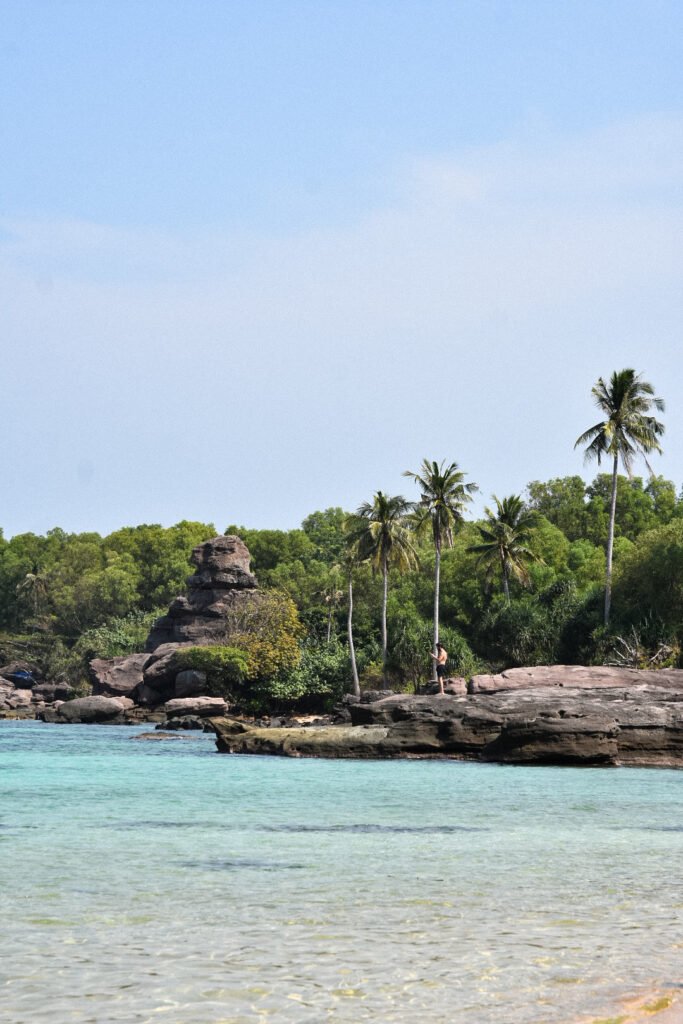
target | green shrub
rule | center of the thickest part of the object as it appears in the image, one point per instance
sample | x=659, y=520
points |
x=117, y=637
x=321, y=678
x=225, y=668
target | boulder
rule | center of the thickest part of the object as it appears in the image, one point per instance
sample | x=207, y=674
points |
x=190, y=683
x=118, y=676
x=93, y=709
x=20, y=698
x=204, y=707
x=331, y=741
x=50, y=692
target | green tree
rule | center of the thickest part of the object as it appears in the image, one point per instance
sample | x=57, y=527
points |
x=443, y=497
x=627, y=431
x=563, y=503
x=379, y=532
x=505, y=538
x=649, y=578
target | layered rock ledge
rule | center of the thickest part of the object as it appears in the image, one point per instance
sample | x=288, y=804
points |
x=635, y=722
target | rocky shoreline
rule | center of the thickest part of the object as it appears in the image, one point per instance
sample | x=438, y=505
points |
x=561, y=714
x=556, y=715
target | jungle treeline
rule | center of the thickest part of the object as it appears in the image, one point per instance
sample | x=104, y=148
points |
x=66, y=598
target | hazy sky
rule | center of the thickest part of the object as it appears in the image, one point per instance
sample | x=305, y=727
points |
x=258, y=257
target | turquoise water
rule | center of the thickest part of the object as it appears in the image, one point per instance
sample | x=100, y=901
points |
x=160, y=881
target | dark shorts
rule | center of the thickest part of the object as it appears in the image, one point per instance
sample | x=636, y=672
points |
x=440, y=671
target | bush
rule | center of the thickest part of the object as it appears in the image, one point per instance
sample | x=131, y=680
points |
x=117, y=637
x=267, y=629
x=225, y=668
x=314, y=686
x=413, y=640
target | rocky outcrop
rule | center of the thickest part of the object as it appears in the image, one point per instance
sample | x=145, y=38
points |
x=118, y=676
x=19, y=700
x=639, y=724
x=581, y=677
x=221, y=581
x=220, y=586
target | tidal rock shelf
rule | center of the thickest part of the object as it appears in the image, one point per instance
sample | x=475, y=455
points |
x=637, y=725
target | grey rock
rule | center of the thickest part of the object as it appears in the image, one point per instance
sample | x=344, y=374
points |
x=118, y=676
x=222, y=581
x=582, y=677
x=637, y=724
x=370, y=696
x=204, y=707
x=92, y=709
x=190, y=683
x=50, y=692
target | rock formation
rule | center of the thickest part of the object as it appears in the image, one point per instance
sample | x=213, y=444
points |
x=220, y=585
x=221, y=581
x=634, y=723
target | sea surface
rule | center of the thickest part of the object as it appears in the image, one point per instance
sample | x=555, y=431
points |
x=163, y=882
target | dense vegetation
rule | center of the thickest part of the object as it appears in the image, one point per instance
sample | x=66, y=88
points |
x=65, y=598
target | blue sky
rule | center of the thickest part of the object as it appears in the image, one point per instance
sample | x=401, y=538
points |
x=259, y=258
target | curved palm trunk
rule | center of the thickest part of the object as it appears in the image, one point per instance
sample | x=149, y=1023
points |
x=437, y=587
x=506, y=580
x=610, y=540
x=352, y=649
x=385, y=591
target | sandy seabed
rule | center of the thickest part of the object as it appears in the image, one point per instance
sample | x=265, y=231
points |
x=660, y=1005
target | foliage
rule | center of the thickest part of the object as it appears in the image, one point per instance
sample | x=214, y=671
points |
x=505, y=541
x=629, y=429
x=118, y=636
x=443, y=496
x=267, y=629
x=409, y=661
x=649, y=578
x=315, y=685
x=225, y=667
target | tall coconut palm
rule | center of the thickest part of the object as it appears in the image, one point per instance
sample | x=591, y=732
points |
x=349, y=561
x=505, y=540
x=379, y=532
x=628, y=430
x=443, y=497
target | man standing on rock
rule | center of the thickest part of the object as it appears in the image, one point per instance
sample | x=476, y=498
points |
x=441, y=657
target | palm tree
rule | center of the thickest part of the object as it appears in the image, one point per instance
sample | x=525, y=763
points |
x=349, y=561
x=379, y=533
x=628, y=430
x=505, y=538
x=443, y=496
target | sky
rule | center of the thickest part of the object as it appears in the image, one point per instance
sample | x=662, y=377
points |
x=259, y=258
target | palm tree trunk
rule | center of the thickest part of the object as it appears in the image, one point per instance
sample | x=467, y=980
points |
x=610, y=540
x=385, y=591
x=437, y=586
x=352, y=649
x=506, y=583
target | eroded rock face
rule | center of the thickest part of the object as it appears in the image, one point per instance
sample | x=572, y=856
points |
x=584, y=677
x=641, y=725
x=118, y=676
x=222, y=580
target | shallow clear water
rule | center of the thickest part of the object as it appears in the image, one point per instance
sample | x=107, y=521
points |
x=160, y=881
